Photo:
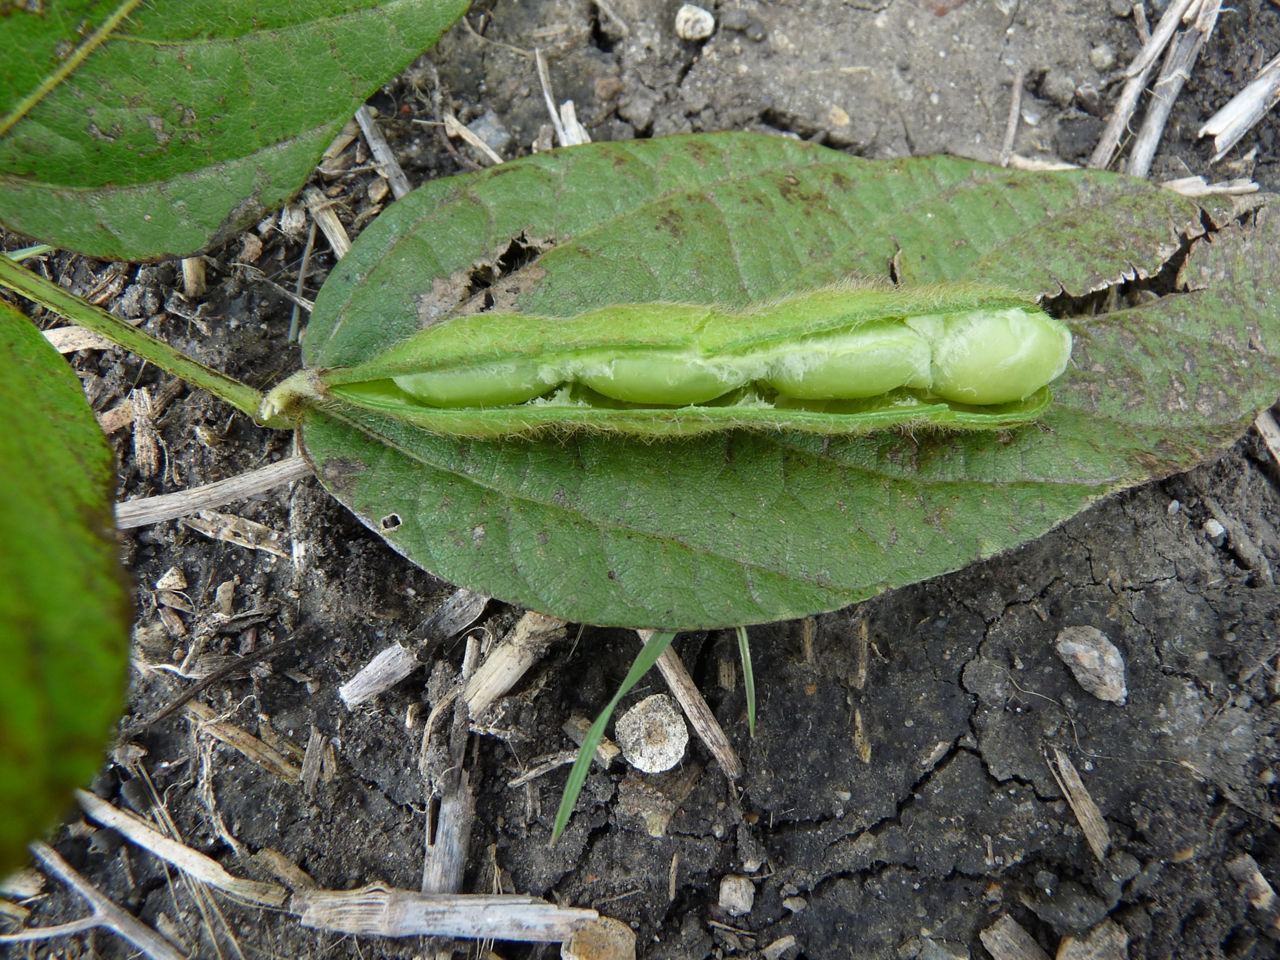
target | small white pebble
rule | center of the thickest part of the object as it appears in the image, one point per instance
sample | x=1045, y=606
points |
x=1103, y=57
x=694, y=23
x=652, y=734
x=1095, y=662
x=737, y=895
x=1215, y=531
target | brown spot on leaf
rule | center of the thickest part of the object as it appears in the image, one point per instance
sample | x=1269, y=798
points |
x=340, y=473
x=497, y=281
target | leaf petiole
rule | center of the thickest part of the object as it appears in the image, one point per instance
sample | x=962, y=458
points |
x=48, y=294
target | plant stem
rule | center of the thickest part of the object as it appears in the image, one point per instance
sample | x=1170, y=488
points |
x=48, y=294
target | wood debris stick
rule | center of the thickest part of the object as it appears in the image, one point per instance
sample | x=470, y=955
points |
x=1019, y=162
x=576, y=729
x=321, y=208
x=193, y=277
x=862, y=657
x=71, y=338
x=249, y=746
x=12, y=912
x=1137, y=82
x=250, y=272
x=391, y=665
x=1140, y=23
x=569, y=117
x=448, y=845
x=545, y=766
x=276, y=862
x=437, y=109
x=310, y=771
x=122, y=414
x=695, y=708
x=381, y=911
x=382, y=153
x=1087, y=813
x=511, y=659
x=1244, y=110
x=302, y=637
x=232, y=529
x=282, y=744
x=1177, y=13
x=1259, y=892
x=146, y=441
x=104, y=914
x=544, y=78
x=330, y=164
x=454, y=127
x=448, y=783
x=373, y=910
x=1199, y=187
x=171, y=506
x=569, y=132
x=1174, y=73
x=861, y=742
x=1269, y=430
x=1006, y=939
x=397, y=661
x=295, y=314
x=190, y=861
x=118, y=417
x=1015, y=110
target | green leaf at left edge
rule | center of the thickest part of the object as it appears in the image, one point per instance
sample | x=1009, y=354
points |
x=64, y=609
x=738, y=528
x=134, y=130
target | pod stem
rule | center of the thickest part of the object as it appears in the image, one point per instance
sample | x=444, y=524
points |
x=48, y=294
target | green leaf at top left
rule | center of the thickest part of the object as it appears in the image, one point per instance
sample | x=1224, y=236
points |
x=132, y=129
x=64, y=608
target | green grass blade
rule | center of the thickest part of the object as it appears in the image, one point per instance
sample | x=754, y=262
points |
x=645, y=659
x=744, y=651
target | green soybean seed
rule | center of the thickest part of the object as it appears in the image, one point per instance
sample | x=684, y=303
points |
x=838, y=360
x=865, y=362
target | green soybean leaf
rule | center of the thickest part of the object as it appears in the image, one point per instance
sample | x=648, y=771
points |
x=64, y=611
x=646, y=658
x=132, y=130
x=731, y=527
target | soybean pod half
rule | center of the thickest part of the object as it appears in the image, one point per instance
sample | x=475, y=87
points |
x=843, y=359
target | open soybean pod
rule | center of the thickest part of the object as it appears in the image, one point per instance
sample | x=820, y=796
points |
x=842, y=359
